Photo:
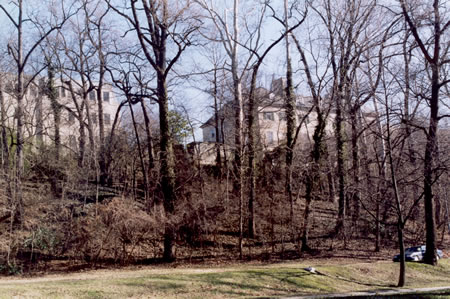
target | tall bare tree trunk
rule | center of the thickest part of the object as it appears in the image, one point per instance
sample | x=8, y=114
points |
x=139, y=146
x=167, y=162
x=5, y=146
x=97, y=42
x=252, y=118
x=238, y=118
x=430, y=169
x=252, y=124
x=341, y=158
x=434, y=61
x=356, y=165
x=82, y=127
x=157, y=24
x=400, y=222
x=18, y=202
x=51, y=92
x=319, y=153
x=217, y=126
x=290, y=119
x=148, y=131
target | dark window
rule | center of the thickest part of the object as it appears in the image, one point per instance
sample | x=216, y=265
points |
x=268, y=116
x=106, y=118
x=282, y=116
x=92, y=96
x=33, y=90
x=106, y=96
x=269, y=136
x=63, y=92
x=94, y=118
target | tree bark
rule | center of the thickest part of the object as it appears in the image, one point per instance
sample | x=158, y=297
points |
x=56, y=109
x=434, y=61
x=148, y=131
x=356, y=164
x=217, y=127
x=400, y=221
x=290, y=119
x=18, y=202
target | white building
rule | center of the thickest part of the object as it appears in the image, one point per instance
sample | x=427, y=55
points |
x=38, y=116
x=271, y=122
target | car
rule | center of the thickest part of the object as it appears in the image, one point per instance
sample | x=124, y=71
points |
x=416, y=254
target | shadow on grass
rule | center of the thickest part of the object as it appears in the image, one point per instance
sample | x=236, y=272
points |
x=360, y=282
x=237, y=283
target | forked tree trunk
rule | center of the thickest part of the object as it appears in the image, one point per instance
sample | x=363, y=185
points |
x=139, y=146
x=313, y=179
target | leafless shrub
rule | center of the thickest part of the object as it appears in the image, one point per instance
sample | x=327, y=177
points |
x=114, y=230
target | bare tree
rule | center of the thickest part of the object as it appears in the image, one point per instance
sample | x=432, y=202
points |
x=21, y=54
x=77, y=67
x=290, y=103
x=128, y=78
x=158, y=26
x=346, y=37
x=394, y=141
x=97, y=30
x=320, y=146
x=253, y=117
x=231, y=39
x=434, y=48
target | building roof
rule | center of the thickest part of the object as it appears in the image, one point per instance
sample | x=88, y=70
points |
x=265, y=98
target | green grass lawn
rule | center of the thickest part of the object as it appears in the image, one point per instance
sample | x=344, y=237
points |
x=238, y=281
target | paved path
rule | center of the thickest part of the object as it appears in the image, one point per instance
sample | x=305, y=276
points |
x=386, y=292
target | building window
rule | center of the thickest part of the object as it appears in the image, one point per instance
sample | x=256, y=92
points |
x=106, y=118
x=63, y=92
x=106, y=96
x=282, y=116
x=269, y=137
x=92, y=96
x=33, y=90
x=94, y=118
x=268, y=116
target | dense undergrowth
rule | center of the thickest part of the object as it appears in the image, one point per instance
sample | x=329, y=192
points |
x=108, y=229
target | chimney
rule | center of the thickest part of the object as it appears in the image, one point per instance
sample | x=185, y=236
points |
x=278, y=86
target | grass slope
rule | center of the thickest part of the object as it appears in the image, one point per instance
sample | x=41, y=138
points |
x=274, y=280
